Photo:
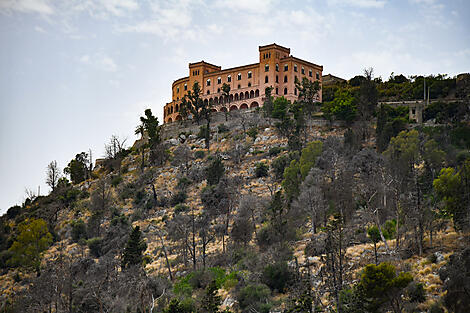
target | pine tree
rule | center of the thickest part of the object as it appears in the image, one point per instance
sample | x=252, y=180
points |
x=211, y=301
x=134, y=249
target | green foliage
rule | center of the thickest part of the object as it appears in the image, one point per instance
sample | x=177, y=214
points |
x=380, y=285
x=78, y=168
x=460, y=136
x=95, y=244
x=455, y=276
x=211, y=301
x=261, y=169
x=150, y=124
x=175, y=306
x=32, y=240
x=275, y=151
x=199, y=154
x=453, y=187
x=116, y=181
x=445, y=112
x=134, y=249
x=308, y=94
x=252, y=132
x=343, y=107
x=390, y=121
x=389, y=229
x=222, y=128
x=374, y=234
x=180, y=208
x=214, y=171
x=254, y=296
x=279, y=164
x=277, y=276
x=202, y=132
x=78, y=230
x=178, y=198
x=309, y=156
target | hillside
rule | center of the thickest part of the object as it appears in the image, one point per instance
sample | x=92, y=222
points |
x=286, y=213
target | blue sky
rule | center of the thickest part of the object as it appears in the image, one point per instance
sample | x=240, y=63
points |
x=75, y=72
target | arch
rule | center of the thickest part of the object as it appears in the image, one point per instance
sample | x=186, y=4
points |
x=213, y=110
x=236, y=97
x=254, y=104
x=252, y=94
x=216, y=100
x=206, y=102
x=257, y=93
x=241, y=96
x=230, y=98
x=178, y=117
x=247, y=95
x=244, y=106
x=169, y=120
x=221, y=100
x=171, y=110
x=223, y=109
x=177, y=108
x=211, y=100
x=233, y=108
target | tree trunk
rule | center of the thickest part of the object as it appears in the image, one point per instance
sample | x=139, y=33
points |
x=208, y=134
x=375, y=251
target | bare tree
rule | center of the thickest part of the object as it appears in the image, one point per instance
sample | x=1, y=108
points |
x=115, y=146
x=53, y=174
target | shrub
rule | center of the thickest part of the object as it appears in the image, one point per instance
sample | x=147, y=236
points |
x=222, y=129
x=202, y=132
x=275, y=151
x=261, y=169
x=78, y=230
x=214, y=171
x=199, y=154
x=252, y=132
x=277, y=276
x=254, y=296
x=177, y=198
x=183, y=183
x=180, y=208
x=116, y=181
x=95, y=246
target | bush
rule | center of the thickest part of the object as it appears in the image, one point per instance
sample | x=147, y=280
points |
x=180, y=208
x=252, y=132
x=214, y=171
x=78, y=230
x=222, y=129
x=275, y=151
x=177, y=198
x=95, y=246
x=199, y=154
x=116, y=181
x=261, y=169
x=277, y=276
x=202, y=132
x=183, y=183
x=254, y=296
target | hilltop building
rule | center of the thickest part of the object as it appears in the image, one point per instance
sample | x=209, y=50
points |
x=276, y=68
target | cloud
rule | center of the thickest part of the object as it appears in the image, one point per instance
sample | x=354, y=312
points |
x=244, y=5
x=26, y=6
x=378, y=4
x=39, y=29
x=99, y=61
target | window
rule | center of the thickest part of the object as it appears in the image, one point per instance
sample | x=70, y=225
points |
x=277, y=79
x=303, y=70
x=310, y=73
x=249, y=74
x=208, y=92
x=266, y=67
x=185, y=87
x=277, y=91
x=218, y=90
x=177, y=89
x=239, y=86
x=229, y=78
x=295, y=67
x=317, y=75
x=266, y=79
x=239, y=76
x=413, y=111
x=219, y=80
x=295, y=91
x=286, y=67
x=249, y=84
x=295, y=78
x=208, y=83
x=277, y=67
x=285, y=78
x=285, y=91
x=177, y=98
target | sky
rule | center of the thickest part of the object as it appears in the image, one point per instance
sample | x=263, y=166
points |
x=73, y=73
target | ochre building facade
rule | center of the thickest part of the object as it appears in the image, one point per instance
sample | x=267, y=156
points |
x=276, y=68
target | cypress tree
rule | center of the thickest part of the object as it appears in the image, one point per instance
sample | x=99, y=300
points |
x=134, y=249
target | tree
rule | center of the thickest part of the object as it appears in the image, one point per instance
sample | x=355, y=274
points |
x=140, y=130
x=374, y=235
x=53, y=174
x=214, y=171
x=200, y=109
x=343, y=107
x=134, y=249
x=368, y=96
x=153, y=129
x=453, y=187
x=33, y=239
x=78, y=168
x=381, y=286
x=308, y=94
x=268, y=104
x=455, y=276
x=211, y=301
x=226, y=94
x=115, y=147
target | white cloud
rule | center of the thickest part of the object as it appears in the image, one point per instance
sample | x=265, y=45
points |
x=107, y=64
x=27, y=6
x=39, y=29
x=99, y=61
x=244, y=5
x=85, y=59
x=360, y=3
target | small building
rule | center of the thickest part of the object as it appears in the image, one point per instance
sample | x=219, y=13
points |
x=276, y=68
